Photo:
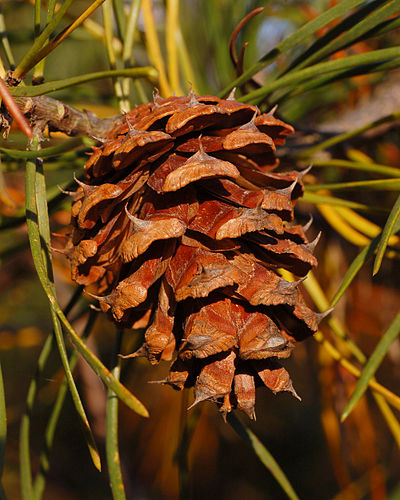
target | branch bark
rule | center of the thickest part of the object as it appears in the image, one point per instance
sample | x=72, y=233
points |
x=45, y=112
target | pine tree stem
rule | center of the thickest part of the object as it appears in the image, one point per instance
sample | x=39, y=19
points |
x=45, y=112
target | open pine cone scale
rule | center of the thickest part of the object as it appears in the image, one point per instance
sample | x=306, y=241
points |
x=183, y=224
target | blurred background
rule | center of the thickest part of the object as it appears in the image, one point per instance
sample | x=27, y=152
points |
x=323, y=458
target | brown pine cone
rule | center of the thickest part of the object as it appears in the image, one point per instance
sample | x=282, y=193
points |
x=184, y=224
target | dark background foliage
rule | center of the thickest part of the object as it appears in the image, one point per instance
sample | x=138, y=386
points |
x=322, y=457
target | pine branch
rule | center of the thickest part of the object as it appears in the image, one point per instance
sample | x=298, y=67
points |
x=45, y=112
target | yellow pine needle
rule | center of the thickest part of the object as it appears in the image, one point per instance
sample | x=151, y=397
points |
x=389, y=416
x=359, y=156
x=22, y=69
x=171, y=31
x=335, y=219
x=5, y=41
x=392, y=398
x=108, y=29
x=361, y=487
x=153, y=47
x=364, y=225
x=2, y=70
x=380, y=393
x=93, y=28
x=329, y=417
x=72, y=27
x=319, y=298
x=186, y=64
x=97, y=31
x=108, y=32
x=316, y=292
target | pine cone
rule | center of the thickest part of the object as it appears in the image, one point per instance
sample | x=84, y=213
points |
x=183, y=225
